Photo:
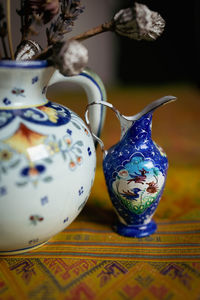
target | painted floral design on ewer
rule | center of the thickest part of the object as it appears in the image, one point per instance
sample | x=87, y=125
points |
x=135, y=171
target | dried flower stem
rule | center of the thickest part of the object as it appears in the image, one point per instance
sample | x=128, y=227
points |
x=23, y=25
x=9, y=29
x=108, y=26
x=4, y=47
x=44, y=54
x=69, y=12
x=136, y=22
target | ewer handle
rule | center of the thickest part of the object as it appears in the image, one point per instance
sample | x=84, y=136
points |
x=88, y=122
x=95, y=91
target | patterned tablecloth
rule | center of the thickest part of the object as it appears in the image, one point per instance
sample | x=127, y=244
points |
x=88, y=260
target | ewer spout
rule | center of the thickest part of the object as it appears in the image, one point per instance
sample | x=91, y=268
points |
x=127, y=121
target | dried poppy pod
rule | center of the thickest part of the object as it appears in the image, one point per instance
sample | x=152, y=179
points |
x=27, y=49
x=139, y=23
x=70, y=57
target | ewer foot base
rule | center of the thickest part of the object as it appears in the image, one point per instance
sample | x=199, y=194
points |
x=138, y=231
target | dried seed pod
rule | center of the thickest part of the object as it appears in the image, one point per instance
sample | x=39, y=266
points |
x=70, y=57
x=139, y=23
x=27, y=50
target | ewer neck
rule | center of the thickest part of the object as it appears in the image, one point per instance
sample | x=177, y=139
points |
x=23, y=84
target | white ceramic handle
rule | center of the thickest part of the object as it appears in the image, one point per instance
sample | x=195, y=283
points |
x=95, y=91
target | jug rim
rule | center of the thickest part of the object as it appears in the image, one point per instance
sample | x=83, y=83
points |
x=25, y=64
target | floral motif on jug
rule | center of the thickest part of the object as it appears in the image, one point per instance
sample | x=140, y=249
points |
x=31, y=149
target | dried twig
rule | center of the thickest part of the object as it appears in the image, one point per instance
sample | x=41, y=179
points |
x=108, y=26
x=138, y=22
x=4, y=47
x=3, y=31
x=26, y=20
x=9, y=29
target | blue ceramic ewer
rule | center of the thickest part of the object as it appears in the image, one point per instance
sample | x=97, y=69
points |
x=135, y=171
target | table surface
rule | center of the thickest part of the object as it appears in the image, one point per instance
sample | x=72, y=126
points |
x=88, y=260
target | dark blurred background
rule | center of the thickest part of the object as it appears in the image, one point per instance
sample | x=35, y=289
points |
x=173, y=57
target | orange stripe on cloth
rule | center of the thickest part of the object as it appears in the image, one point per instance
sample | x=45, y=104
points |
x=178, y=241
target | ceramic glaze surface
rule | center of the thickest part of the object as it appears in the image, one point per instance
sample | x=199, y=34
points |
x=47, y=161
x=135, y=171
